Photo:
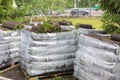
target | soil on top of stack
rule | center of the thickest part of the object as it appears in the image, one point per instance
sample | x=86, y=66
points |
x=65, y=22
x=11, y=25
x=115, y=37
x=49, y=26
x=87, y=26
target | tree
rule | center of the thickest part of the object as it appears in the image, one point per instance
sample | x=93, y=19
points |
x=5, y=9
x=85, y=3
x=46, y=5
x=111, y=17
x=8, y=12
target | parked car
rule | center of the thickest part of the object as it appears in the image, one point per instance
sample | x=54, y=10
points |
x=78, y=12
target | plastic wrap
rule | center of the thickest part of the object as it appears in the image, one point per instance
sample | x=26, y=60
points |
x=3, y=59
x=87, y=31
x=96, y=60
x=86, y=74
x=83, y=75
x=98, y=53
x=52, y=36
x=69, y=27
x=38, y=68
x=9, y=47
x=93, y=42
x=49, y=65
x=88, y=60
x=9, y=33
x=47, y=52
x=47, y=58
x=56, y=50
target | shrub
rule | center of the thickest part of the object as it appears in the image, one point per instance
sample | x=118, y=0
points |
x=111, y=22
x=46, y=27
x=111, y=17
x=7, y=12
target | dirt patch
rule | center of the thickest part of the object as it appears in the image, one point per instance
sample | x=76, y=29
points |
x=17, y=74
x=14, y=74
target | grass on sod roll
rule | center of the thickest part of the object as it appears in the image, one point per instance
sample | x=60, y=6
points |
x=94, y=21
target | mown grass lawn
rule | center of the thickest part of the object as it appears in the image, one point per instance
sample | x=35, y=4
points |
x=94, y=21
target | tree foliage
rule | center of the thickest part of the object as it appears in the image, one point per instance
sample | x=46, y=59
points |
x=111, y=6
x=7, y=12
x=59, y=5
x=87, y=3
x=46, y=5
x=5, y=9
x=111, y=17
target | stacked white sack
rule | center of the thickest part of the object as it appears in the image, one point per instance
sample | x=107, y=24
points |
x=9, y=47
x=96, y=60
x=47, y=52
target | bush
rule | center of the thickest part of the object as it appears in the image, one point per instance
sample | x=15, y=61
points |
x=111, y=22
x=111, y=17
x=7, y=12
x=46, y=27
x=18, y=27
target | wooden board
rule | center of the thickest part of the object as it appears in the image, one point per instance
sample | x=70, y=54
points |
x=48, y=76
x=11, y=66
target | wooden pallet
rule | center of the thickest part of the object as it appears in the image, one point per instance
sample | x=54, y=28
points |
x=8, y=67
x=48, y=76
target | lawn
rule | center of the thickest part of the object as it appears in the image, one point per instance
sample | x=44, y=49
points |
x=94, y=21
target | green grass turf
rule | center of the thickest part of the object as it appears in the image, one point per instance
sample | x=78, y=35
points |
x=94, y=21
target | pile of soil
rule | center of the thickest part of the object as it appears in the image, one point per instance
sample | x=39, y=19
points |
x=87, y=26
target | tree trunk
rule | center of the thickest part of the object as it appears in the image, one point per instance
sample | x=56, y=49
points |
x=14, y=5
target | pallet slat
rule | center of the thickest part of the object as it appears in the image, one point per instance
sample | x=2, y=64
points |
x=11, y=66
x=48, y=75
